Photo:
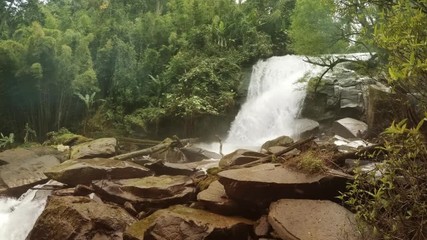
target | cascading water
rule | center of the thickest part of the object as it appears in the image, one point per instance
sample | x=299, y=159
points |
x=17, y=216
x=273, y=102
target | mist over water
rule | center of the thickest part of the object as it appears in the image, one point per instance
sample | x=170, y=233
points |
x=273, y=103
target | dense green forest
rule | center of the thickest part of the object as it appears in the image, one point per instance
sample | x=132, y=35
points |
x=137, y=65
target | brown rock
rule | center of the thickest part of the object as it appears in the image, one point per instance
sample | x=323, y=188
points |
x=84, y=171
x=312, y=220
x=262, y=226
x=216, y=200
x=80, y=218
x=103, y=147
x=148, y=192
x=260, y=185
x=184, y=223
x=280, y=141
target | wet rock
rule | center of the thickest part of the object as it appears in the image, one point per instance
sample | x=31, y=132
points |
x=303, y=219
x=188, y=169
x=280, y=141
x=23, y=173
x=103, y=147
x=194, y=154
x=216, y=200
x=148, y=192
x=260, y=185
x=349, y=128
x=80, y=218
x=15, y=155
x=184, y=223
x=239, y=157
x=84, y=171
x=306, y=128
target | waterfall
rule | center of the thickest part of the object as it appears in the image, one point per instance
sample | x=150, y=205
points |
x=274, y=99
x=17, y=216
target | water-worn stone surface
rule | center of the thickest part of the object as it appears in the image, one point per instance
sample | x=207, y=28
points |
x=148, y=192
x=80, y=218
x=21, y=174
x=216, y=200
x=102, y=147
x=194, y=154
x=84, y=171
x=301, y=219
x=260, y=185
x=349, y=128
x=279, y=141
x=239, y=157
x=184, y=223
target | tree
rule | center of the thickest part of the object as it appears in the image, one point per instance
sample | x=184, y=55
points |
x=315, y=29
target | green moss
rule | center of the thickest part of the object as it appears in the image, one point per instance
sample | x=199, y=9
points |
x=310, y=163
x=63, y=136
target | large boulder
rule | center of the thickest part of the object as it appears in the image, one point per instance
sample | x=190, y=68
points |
x=103, y=147
x=239, y=157
x=23, y=172
x=279, y=141
x=184, y=223
x=148, y=192
x=349, y=128
x=306, y=127
x=216, y=200
x=16, y=155
x=84, y=171
x=80, y=218
x=260, y=185
x=302, y=219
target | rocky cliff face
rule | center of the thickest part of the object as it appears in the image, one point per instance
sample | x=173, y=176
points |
x=341, y=93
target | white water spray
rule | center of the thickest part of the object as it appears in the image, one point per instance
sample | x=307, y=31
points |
x=273, y=102
x=17, y=216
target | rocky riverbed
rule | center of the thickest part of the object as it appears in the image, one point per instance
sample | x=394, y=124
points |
x=269, y=194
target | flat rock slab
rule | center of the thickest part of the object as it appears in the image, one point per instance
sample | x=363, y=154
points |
x=19, y=175
x=161, y=191
x=84, y=171
x=262, y=184
x=103, y=147
x=349, y=128
x=184, y=223
x=16, y=154
x=80, y=218
x=216, y=200
x=294, y=219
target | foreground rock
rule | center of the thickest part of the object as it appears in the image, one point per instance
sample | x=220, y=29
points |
x=20, y=174
x=216, y=200
x=260, y=185
x=16, y=155
x=295, y=219
x=280, y=141
x=194, y=154
x=84, y=171
x=148, y=192
x=80, y=218
x=239, y=157
x=183, y=223
x=103, y=147
x=350, y=128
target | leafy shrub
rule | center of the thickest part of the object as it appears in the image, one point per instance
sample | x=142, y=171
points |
x=6, y=140
x=393, y=204
x=310, y=163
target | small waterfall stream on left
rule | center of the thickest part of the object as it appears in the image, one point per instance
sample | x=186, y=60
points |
x=17, y=216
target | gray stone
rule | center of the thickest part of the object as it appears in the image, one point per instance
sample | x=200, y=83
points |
x=306, y=127
x=84, y=171
x=19, y=175
x=302, y=219
x=103, y=147
x=239, y=157
x=349, y=128
x=194, y=154
x=184, y=223
x=279, y=141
